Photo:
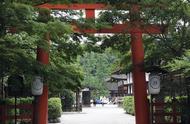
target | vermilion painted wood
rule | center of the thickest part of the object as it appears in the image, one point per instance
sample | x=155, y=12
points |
x=20, y=106
x=91, y=6
x=6, y=108
x=174, y=111
x=43, y=106
x=138, y=72
x=173, y=114
x=73, y=6
x=22, y=117
x=90, y=13
x=42, y=54
x=168, y=114
x=124, y=28
x=43, y=57
x=167, y=123
x=139, y=83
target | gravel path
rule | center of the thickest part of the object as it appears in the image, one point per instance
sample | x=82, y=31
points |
x=107, y=114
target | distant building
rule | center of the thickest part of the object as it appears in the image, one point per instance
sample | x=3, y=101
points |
x=112, y=87
x=121, y=84
x=86, y=96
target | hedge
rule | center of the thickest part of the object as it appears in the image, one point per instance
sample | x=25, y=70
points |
x=54, y=109
x=20, y=100
x=128, y=104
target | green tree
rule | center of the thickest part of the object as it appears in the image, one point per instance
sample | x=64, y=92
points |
x=181, y=63
x=159, y=49
x=97, y=67
x=23, y=28
x=175, y=41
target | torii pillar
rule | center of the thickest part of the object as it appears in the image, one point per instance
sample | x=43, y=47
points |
x=42, y=100
x=139, y=81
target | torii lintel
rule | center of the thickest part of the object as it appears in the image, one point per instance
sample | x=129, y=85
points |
x=125, y=28
x=116, y=28
x=72, y=6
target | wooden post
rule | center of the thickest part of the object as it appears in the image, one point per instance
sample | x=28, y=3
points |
x=174, y=111
x=3, y=114
x=140, y=87
x=139, y=81
x=41, y=107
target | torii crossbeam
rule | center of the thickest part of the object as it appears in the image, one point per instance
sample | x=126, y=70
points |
x=134, y=27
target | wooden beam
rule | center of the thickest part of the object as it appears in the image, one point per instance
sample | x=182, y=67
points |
x=154, y=29
x=124, y=28
x=90, y=13
x=72, y=6
x=100, y=6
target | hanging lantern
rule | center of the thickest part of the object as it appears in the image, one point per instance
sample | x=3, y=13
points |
x=154, y=84
x=37, y=86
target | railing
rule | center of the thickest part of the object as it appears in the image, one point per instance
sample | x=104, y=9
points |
x=24, y=113
x=162, y=116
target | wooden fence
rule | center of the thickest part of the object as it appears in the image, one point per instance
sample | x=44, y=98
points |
x=166, y=113
x=24, y=113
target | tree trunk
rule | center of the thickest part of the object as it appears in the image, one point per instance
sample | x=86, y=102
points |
x=78, y=105
x=2, y=94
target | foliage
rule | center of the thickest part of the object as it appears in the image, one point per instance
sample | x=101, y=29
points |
x=23, y=28
x=128, y=104
x=27, y=100
x=182, y=106
x=163, y=48
x=54, y=108
x=159, y=49
x=67, y=77
x=181, y=63
x=97, y=67
x=22, y=100
x=67, y=100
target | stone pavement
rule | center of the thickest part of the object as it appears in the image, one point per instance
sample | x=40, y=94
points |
x=107, y=114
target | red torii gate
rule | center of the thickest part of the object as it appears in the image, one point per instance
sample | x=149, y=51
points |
x=136, y=29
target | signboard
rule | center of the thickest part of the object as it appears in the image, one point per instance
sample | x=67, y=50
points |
x=154, y=84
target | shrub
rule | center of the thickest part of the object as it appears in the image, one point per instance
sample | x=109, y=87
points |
x=67, y=100
x=128, y=104
x=54, y=108
x=11, y=101
x=27, y=100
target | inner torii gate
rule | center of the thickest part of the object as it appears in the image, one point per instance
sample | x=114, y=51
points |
x=135, y=28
